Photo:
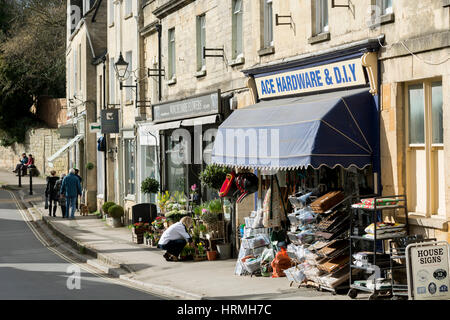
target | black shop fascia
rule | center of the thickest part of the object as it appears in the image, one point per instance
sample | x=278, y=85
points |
x=186, y=140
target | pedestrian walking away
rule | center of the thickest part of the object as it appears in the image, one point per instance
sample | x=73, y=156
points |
x=60, y=197
x=50, y=194
x=175, y=238
x=77, y=171
x=71, y=188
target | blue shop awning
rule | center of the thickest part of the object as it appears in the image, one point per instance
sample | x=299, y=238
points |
x=332, y=129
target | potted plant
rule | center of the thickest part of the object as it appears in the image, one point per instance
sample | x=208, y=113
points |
x=213, y=176
x=212, y=255
x=158, y=223
x=216, y=206
x=200, y=252
x=90, y=166
x=163, y=200
x=116, y=212
x=106, y=206
x=149, y=186
x=139, y=230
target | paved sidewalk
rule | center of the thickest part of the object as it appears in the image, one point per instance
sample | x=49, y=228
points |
x=146, y=266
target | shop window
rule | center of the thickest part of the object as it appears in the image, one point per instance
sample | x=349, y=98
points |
x=237, y=28
x=425, y=152
x=176, y=168
x=130, y=172
x=149, y=168
x=172, y=54
x=268, y=23
x=201, y=42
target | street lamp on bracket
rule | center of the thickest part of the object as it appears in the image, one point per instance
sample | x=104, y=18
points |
x=121, y=68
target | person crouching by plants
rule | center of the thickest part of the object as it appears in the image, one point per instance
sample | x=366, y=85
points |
x=174, y=239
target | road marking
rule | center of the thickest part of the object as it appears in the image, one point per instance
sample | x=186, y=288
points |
x=83, y=267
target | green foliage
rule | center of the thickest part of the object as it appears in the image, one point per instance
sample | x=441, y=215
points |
x=215, y=206
x=150, y=185
x=89, y=166
x=107, y=205
x=32, y=62
x=213, y=176
x=116, y=211
x=210, y=217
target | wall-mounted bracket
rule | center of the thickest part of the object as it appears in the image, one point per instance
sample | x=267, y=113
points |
x=334, y=5
x=156, y=73
x=213, y=55
x=143, y=104
x=278, y=23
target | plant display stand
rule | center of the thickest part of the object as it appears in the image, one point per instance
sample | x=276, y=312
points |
x=137, y=236
x=376, y=289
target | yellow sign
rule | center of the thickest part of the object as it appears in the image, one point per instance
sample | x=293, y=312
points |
x=336, y=75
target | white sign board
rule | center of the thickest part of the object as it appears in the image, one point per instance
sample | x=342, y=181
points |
x=343, y=74
x=95, y=127
x=429, y=271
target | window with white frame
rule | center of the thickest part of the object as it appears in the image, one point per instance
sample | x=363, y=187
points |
x=268, y=23
x=320, y=16
x=130, y=171
x=128, y=7
x=172, y=54
x=425, y=148
x=69, y=82
x=112, y=82
x=237, y=28
x=129, y=74
x=111, y=12
x=201, y=41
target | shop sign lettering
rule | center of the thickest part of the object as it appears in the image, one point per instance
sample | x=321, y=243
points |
x=429, y=269
x=342, y=74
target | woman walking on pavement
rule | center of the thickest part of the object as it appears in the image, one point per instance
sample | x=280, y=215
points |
x=50, y=193
x=60, y=196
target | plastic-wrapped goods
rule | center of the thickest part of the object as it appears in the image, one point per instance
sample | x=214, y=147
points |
x=385, y=227
x=252, y=265
x=258, y=220
x=261, y=240
x=295, y=274
x=239, y=269
x=306, y=217
x=267, y=255
x=293, y=218
x=250, y=232
x=249, y=222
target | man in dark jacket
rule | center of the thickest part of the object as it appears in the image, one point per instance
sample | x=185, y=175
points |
x=77, y=171
x=71, y=188
x=50, y=193
x=60, y=196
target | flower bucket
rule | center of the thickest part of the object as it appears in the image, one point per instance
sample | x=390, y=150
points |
x=212, y=255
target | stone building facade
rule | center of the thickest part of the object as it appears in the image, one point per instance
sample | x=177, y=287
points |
x=86, y=40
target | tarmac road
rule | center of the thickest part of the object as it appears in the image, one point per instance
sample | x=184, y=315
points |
x=29, y=270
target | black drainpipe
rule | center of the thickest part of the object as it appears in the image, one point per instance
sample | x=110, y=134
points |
x=159, y=29
x=105, y=195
